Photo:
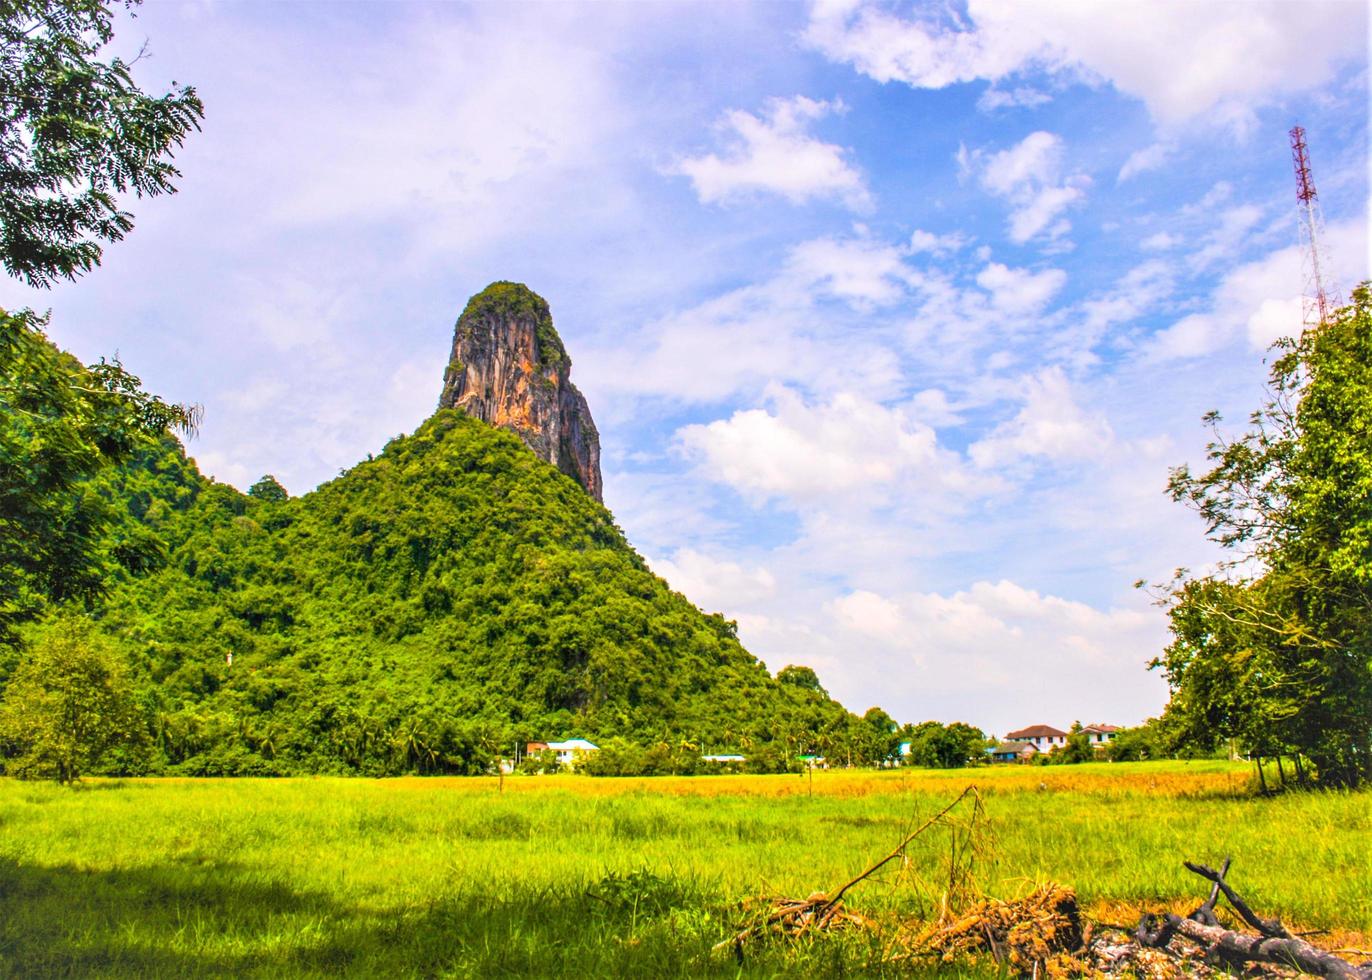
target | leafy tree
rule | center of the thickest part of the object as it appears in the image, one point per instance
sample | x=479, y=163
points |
x=268, y=490
x=1139, y=743
x=802, y=677
x=75, y=132
x=60, y=424
x=1077, y=749
x=68, y=704
x=880, y=737
x=1277, y=651
x=936, y=746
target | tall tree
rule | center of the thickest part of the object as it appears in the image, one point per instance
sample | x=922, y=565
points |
x=75, y=133
x=60, y=424
x=1277, y=652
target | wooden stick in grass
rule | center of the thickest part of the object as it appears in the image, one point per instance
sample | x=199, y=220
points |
x=1238, y=947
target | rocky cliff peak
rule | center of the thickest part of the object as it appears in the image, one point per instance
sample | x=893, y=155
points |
x=509, y=369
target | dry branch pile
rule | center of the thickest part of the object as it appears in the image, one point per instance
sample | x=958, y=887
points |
x=1037, y=935
x=1044, y=934
x=792, y=918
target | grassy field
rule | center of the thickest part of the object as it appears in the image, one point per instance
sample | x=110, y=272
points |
x=424, y=877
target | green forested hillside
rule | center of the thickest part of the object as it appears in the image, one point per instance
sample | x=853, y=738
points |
x=421, y=612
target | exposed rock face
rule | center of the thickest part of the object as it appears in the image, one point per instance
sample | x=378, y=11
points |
x=509, y=369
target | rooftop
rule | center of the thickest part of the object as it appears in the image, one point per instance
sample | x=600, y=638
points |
x=1037, y=731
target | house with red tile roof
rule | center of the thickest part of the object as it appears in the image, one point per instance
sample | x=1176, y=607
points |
x=1045, y=738
x=1100, y=735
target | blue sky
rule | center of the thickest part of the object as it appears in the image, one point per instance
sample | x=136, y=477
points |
x=892, y=317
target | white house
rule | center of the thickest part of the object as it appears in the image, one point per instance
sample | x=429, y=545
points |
x=1042, y=737
x=1100, y=735
x=572, y=751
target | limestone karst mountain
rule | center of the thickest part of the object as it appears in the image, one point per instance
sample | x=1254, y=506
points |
x=433, y=605
x=508, y=367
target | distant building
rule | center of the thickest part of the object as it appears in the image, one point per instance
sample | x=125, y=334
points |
x=569, y=753
x=722, y=758
x=1013, y=752
x=1100, y=735
x=1042, y=737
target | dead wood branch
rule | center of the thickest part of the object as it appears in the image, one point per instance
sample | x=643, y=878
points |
x=1226, y=946
x=824, y=910
x=1230, y=948
x=1271, y=928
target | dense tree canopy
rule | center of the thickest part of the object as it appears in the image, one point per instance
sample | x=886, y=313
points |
x=60, y=425
x=1277, y=653
x=423, y=613
x=75, y=133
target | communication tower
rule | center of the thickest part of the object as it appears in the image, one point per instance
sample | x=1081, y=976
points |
x=1319, y=297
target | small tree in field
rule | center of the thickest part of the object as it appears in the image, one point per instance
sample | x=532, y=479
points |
x=66, y=705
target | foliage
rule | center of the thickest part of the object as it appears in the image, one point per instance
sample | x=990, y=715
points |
x=937, y=746
x=268, y=490
x=1277, y=654
x=75, y=132
x=451, y=596
x=67, y=706
x=1140, y=743
x=1076, y=750
x=60, y=425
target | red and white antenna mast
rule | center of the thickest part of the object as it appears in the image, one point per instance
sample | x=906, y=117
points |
x=1319, y=298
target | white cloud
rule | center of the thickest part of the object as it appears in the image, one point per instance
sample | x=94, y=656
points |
x=1019, y=290
x=798, y=451
x=1138, y=291
x=1020, y=97
x=775, y=153
x=1050, y=425
x=1142, y=161
x=714, y=583
x=1183, y=60
x=1160, y=242
x=1274, y=319
x=937, y=245
x=1002, y=654
x=1029, y=176
x=860, y=271
x=811, y=324
x=1258, y=300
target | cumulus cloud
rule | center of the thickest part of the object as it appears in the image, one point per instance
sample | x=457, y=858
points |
x=775, y=153
x=1029, y=175
x=1019, y=290
x=1258, y=300
x=1050, y=425
x=1181, y=60
x=798, y=451
x=860, y=271
x=922, y=241
x=714, y=583
x=1004, y=654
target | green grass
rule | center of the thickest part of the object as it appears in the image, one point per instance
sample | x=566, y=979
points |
x=414, y=877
